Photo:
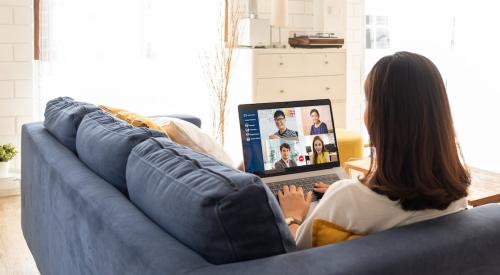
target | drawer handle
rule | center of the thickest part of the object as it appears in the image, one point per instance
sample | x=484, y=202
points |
x=282, y=91
x=326, y=62
x=327, y=88
x=281, y=63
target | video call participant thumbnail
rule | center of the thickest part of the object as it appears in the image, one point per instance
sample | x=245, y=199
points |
x=285, y=160
x=283, y=131
x=320, y=155
x=318, y=127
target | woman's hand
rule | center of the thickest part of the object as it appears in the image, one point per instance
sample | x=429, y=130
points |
x=293, y=203
x=320, y=187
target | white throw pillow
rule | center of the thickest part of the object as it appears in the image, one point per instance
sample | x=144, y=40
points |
x=189, y=135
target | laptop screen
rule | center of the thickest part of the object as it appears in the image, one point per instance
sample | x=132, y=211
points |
x=288, y=137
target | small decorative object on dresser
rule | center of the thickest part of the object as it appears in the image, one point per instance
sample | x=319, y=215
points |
x=279, y=18
x=7, y=152
x=318, y=40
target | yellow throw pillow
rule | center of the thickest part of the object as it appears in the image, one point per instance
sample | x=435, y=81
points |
x=324, y=233
x=131, y=118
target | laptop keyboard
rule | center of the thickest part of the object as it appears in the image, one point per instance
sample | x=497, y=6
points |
x=307, y=184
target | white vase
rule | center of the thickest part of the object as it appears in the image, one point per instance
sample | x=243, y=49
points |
x=4, y=169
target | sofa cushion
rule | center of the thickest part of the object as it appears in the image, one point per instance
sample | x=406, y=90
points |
x=103, y=143
x=223, y=214
x=62, y=118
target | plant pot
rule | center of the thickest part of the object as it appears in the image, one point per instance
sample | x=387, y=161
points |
x=4, y=169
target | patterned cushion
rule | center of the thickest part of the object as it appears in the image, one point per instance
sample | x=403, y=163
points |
x=223, y=214
x=103, y=143
x=62, y=118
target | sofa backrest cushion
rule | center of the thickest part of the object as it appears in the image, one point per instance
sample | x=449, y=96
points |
x=223, y=214
x=103, y=143
x=62, y=118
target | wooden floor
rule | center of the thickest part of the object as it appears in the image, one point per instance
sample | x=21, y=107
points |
x=15, y=257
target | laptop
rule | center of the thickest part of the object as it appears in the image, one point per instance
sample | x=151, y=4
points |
x=292, y=142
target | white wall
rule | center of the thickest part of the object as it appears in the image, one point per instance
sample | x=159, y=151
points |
x=16, y=70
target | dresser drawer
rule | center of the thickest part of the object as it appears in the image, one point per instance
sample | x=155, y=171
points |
x=278, y=65
x=293, y=65
x=299, y=88
x=324, y=64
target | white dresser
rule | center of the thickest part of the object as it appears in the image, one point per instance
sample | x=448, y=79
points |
x=294, y=74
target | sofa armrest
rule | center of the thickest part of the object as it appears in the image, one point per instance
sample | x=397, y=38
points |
x=467, y=242
x=76, y=223
x=189, y=118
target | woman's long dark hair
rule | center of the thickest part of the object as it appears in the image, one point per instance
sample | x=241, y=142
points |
x=315, y=154
x=418, y=159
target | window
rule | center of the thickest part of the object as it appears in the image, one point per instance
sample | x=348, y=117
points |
x=141, y=55
x=464, y=47
x=377, y=32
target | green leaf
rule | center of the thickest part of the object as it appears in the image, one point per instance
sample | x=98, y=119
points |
x=7, y=152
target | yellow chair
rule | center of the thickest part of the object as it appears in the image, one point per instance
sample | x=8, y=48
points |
x=350, y=144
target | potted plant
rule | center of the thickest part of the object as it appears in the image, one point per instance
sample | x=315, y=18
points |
x=7, y=152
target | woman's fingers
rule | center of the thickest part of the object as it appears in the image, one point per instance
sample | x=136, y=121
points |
x=292, y=190
x=309, y=197
x=280, y=195
x=321, y=184
x=320, y=187
x=286, y=189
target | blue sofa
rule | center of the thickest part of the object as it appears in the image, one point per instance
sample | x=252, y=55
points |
x=102, y=197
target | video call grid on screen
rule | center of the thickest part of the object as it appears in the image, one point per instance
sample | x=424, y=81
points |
x=306, y=127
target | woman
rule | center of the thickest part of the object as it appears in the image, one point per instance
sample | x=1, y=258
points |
x=417, y=174
x=320, y=155
x=318, y=127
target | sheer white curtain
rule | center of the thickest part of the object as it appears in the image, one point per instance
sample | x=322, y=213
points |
x=141, y=55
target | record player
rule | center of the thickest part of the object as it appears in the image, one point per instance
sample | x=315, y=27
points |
x=317, y=40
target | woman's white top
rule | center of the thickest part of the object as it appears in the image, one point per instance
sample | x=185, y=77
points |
x=355, y=207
